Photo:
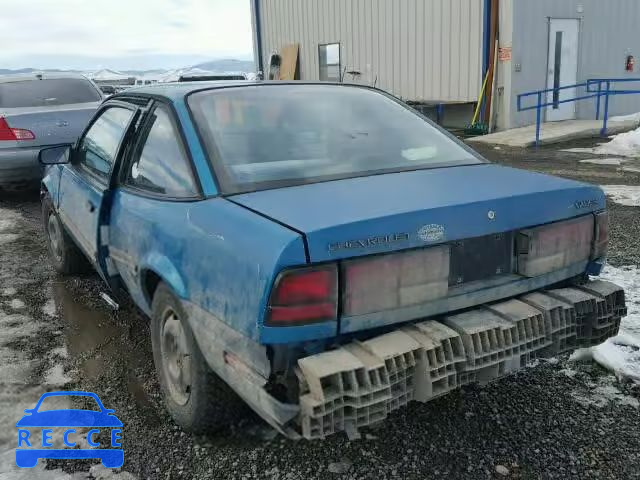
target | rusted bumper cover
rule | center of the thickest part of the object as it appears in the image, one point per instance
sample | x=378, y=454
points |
x=360, y=383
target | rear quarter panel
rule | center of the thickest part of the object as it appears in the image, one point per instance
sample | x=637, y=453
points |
x=234, y=262
x=213, y=253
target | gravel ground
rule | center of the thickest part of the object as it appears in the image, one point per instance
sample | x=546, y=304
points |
x=558, y=420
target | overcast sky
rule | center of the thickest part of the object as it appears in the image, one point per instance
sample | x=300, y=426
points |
x=122, y=34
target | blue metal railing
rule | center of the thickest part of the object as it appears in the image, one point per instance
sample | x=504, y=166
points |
x=594, y=88
x=610, y=89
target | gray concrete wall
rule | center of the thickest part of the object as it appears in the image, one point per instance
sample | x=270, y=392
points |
x=419, y=50
x=609, y=31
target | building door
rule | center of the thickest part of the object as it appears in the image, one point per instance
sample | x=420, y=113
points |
x=563, y=67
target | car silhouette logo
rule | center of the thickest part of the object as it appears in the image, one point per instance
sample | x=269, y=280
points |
x=41, y=422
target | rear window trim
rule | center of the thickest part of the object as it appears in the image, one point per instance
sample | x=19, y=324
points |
x=228, y=188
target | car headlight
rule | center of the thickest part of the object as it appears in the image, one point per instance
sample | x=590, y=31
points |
x=558, y=245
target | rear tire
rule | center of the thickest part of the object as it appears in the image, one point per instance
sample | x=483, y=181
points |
x=65, y=254
x=197, y=399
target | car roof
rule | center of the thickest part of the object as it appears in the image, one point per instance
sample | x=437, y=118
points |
x=21, y=77
x=178, y=90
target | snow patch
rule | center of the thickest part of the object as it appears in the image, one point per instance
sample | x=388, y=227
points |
x=49, y=308
x=16, y=304
x=56, y=376
x=568, y=372
x=620, y=354
x=578, y=150
x=581, y=355
x=623, y=194
x=603, y=394
x=8, y=219
x=633, y=117
x=626, y=144
x=8, y=238
x=628, y=277
x=60, y=352
x=603, y=161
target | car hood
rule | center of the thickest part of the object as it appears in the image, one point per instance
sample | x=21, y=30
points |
x=69, y=418
x=379, y=213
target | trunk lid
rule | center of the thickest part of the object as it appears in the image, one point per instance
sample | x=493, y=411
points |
x=50, y=125
x=382, y=213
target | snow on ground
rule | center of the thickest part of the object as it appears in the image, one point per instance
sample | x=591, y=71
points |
x=623, y=194
x=627, y=277
x=626, y=144
x=621, y=354
x=8, y=221
x=603, y=161
x=8, y=237
x=16, y=304
x=578, y=150
x=49, y=308
x=603, y=393
x=626, y=118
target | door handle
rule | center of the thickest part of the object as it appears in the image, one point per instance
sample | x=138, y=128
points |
x=91, y=206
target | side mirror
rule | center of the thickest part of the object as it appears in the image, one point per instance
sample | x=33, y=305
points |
x=55, y=155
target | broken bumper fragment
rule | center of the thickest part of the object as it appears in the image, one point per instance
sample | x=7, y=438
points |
x=360, y=383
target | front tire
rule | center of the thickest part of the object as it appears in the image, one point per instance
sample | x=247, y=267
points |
x=65, y=255
x=197, y=399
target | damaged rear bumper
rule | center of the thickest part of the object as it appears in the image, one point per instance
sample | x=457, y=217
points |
x=361, y=383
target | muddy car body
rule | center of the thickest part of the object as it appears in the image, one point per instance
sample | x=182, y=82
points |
x=324, y=250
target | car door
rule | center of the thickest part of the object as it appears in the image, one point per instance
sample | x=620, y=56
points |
x=84, y=182
x=149, y=214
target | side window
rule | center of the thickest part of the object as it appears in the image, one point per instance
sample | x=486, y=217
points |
x=99, y=147
x=161, y=165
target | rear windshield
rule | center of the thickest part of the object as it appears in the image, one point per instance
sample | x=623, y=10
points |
x=271, y=136
x=39, y=93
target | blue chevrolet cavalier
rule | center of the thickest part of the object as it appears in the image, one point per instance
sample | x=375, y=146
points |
x=322, y=251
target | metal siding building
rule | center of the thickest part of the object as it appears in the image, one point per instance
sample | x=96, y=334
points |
x=435, y=51
x=421, y=50
x=609, y=30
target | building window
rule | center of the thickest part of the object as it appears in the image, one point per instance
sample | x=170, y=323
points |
x=329, y=62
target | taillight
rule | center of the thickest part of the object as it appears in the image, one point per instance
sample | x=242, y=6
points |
x=601, y=241
x=395, y=280
x=305, y=295
x=557, y=245
x=14, y=134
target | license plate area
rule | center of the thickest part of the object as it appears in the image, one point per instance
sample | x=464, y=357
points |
x=480, y=258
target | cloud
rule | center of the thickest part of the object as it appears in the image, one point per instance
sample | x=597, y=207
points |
x=121, y=28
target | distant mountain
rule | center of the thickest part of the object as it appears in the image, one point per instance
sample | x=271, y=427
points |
x=6, y=71
x=219, y=66
x=227, y=65
x=144, y=72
